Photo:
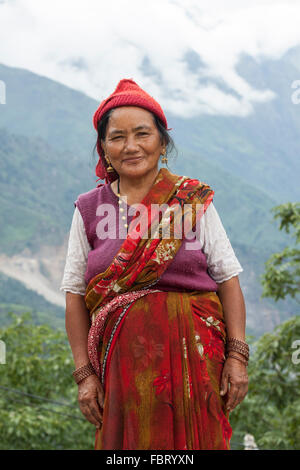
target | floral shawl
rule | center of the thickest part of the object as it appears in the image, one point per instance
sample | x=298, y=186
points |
x=142, y=260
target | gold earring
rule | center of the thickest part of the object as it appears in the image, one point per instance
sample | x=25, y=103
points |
x=164, y=159
x=109, y=169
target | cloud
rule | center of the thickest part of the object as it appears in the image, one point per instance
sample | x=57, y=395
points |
x=184, y=53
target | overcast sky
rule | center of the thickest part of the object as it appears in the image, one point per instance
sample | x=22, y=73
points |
x=90, y=45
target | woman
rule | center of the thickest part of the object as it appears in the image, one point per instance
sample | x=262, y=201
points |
x=155, y=319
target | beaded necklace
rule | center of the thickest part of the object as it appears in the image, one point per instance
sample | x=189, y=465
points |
x=121, y=209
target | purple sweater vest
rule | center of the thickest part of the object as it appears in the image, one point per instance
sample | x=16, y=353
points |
x=187, y=271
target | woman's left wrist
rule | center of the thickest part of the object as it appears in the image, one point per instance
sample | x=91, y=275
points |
x=237, y=346
x=241, y=356
x=235, y=357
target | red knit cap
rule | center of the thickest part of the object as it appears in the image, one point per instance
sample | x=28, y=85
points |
x=127, y=93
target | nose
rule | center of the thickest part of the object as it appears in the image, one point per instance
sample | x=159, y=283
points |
x=131, y=145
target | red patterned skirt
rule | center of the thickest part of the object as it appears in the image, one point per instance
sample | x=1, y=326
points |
x=161, y=359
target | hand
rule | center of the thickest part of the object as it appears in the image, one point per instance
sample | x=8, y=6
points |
x=91, y=399
x=234, y=381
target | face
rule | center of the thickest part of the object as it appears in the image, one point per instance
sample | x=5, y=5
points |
x=132, y=143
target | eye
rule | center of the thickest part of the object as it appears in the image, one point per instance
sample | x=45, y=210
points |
x=142, y=133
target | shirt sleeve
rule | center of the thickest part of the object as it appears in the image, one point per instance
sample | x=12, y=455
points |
x=76, y=260
x=221, y=259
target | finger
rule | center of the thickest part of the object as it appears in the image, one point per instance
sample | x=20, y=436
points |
x=232, y=396
x=95, y=410
x=224, y=384
x=240, y=396
x=242, y=392
x=100, y=397
x=88, y=415
x=235, y=401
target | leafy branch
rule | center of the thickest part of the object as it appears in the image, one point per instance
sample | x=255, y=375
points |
x=282, y=270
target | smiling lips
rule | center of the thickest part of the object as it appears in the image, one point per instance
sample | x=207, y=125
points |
x=132, y=159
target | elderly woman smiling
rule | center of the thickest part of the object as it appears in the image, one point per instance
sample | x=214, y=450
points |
x=156, y=324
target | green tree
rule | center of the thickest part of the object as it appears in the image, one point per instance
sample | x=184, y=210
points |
x=282, y=270
x=39, y=363
x=271, y=409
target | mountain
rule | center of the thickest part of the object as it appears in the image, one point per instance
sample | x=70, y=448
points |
x=38, y=107
x=15, y=298
x=46, y=143
x=263, y=148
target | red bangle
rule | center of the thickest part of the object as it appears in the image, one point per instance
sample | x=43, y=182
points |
x=239, y=346
x=83, y=372
x=239, y=359
x=238, y=342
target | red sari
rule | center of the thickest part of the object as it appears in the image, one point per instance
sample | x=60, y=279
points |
x=159, y=355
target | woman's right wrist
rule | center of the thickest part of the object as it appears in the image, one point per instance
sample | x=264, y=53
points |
x=80, y=356
x=81, y=373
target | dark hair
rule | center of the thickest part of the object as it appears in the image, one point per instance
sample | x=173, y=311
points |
x=164, y=134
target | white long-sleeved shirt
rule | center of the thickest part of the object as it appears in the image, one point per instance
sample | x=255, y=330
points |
x=221, y=260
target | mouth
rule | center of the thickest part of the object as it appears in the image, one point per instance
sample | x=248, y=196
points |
x=134, y=159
